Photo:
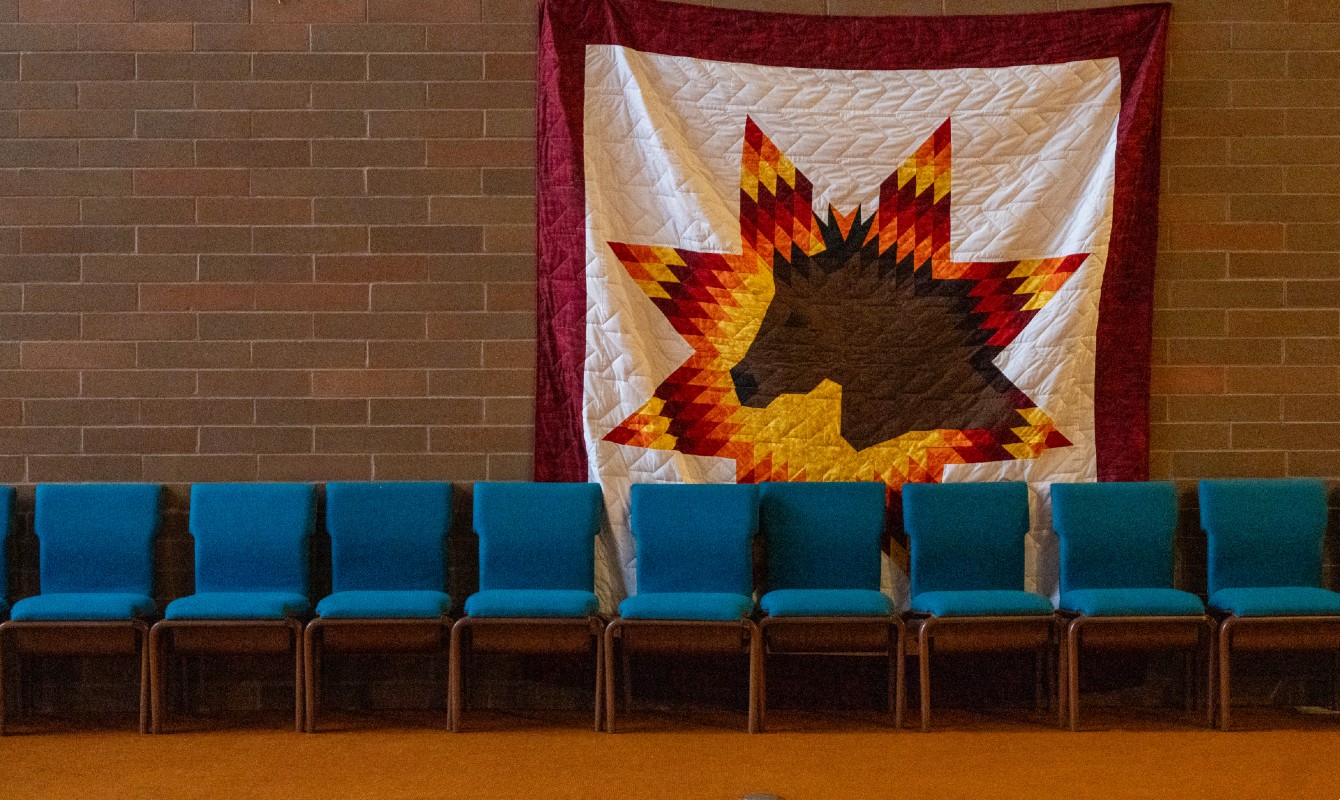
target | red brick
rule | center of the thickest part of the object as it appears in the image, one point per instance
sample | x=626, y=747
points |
x=31, y=38
x=137, y=326
x=77, y=412
x=76, y=10
x=142, y=36
x=482, y=94
x=450, y=467
x=255, y=383
x=256, y=268
x=482, y=267
x=52, y=210
x=138, y=268
x=200, y=468
x=306, y=411
x=368, y=95
x=427, y=411
x=298, y=182
x=480, y=439
x=253, y=153
x=454, y=124
x=309, y=11
x=443, y=11
x=263, y=325
x=522, y=182
x=309, y=124
x=76, y=469
x=135, y=153
x=372, y=210
x=369, y=383
x=1283, y=322
x=368, y=153
x=309, y=67
x=311, y=239
x=253, y=37
x=268, y=94
x=137, y=211
x=77, y=66
x=197, y=297
x=38, y=153
x=82, y=239
x=483, y=210
x=482, y=153
x=139, y=440
x=174, y=411
x=197, y=239
x=510, y=354
x=192, y=11
x=1235, y=464
x=424, y=355
x=315, y=467
x=371, y=268
x=366, y=38
x=1188, y=380
x=513, y=123
x=510, y=466
x=509, y=411
x=191, y=182
x=33, y=383
x=311, y=297
x=193, y=355
x=255, y=439
x=138, y=383
x=422, y=181
x=425, y=67
x=434, y=297
x=310, y=354
x=426, y=239
x=254, y=211
x=511, y=297
x=509, y=66
x=1283, y=380
x=38, y=95
x=193, y=124
x=82, y=123
x=371, y=439
x=77, y=355
x=481, y=382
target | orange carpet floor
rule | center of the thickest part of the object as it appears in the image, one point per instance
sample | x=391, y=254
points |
x=803, y=756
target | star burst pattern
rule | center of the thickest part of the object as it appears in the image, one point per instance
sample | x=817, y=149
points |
x=718, y=304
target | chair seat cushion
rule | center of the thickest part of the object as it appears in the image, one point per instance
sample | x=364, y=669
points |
x=981, y=603
x=706, y=606
x=826, y=603
x=1133, y=603
x=384, y=604
x=78, y=607
x=238, y=605
x=1275, y=601
x=531, y=603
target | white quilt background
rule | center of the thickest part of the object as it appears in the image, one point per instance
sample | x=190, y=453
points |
x=1034, y=151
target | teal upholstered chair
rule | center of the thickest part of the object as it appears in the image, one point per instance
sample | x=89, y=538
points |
x=536, y=577
x=96, y=545
x=1117, y=578
x=694, y=576
x=967, y=558
x=6, y=522
x=252, y=544
x=1265, y=569
x=823, y=544
x=388, y=551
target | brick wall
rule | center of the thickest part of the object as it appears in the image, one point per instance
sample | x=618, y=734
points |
x=264, y=240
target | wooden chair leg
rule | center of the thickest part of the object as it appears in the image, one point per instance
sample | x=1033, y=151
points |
x=626, y=663
x=899, y=687
x=157, y=674
x=601, y=666
x=299, y=718
x=142, y=639
x=756, y=666
x=1072, y=672
x=2, y=680
x=310, y=645
x=611, y=674
x=454, y=677
x=924, y=657
x=1225, y=673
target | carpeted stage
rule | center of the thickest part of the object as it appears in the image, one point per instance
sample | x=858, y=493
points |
x=1124, y=754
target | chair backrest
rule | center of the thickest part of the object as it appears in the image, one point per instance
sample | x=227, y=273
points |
x=1263, y=532
x=6, y=521
x=537, y=535
x=822, y=535
x=388, y=535
x=1115, y=535
x=966, y=536
x=694, y=537
x=252, y=536
x=97, y=537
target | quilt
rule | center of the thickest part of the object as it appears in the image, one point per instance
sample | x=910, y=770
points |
x=777, y=247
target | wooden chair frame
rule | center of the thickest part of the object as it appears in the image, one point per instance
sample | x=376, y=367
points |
x=107, y=638
x=994, y=633
x=1194, y=635
x=221, y=636
x=681, y=636
x=1304, y=633
x=364, y=635
x=530, y=635
x=832, y=636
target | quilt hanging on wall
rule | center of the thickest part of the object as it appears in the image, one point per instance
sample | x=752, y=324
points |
x=800, y=248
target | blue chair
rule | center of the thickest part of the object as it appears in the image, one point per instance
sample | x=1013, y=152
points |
x=694, y=579
x=96, y=544
x=1117, y=580
x=6, y=522
x=251, y=581
x=1265, y=569
x=823, y=543
x=388, y=551
x=967, y=559
x=536, y=578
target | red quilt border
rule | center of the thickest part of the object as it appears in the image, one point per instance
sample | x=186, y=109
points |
x=1135, y=35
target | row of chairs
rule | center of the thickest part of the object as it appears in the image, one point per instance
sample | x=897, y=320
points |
x=695, y=588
